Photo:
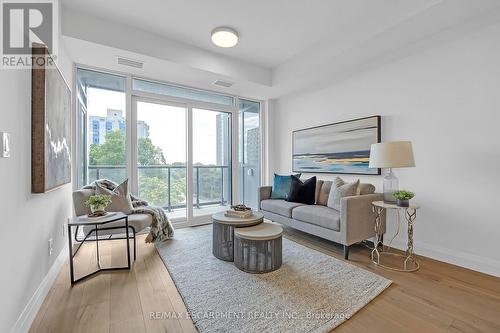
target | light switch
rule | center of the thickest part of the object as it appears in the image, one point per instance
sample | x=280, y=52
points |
x=5, y=144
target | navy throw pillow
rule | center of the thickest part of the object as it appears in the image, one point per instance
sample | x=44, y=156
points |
x=302, y=192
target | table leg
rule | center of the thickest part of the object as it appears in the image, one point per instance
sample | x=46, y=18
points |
x=411, y=215
x=70, y=247
x=128, y=241
x=378, y=232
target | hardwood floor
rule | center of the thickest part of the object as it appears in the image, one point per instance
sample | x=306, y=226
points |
x=438, y=298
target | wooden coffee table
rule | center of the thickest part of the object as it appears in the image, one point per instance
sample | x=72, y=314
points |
x=223, y=233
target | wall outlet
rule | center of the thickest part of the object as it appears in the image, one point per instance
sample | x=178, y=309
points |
x=50, y=246
x=64, y=226
x=4, y=144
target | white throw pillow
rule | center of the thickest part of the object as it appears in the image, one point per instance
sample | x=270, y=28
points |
x=120, y=198
x=339, y=190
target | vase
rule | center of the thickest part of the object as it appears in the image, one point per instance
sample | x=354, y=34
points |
x=98, y=209
x=403, y=203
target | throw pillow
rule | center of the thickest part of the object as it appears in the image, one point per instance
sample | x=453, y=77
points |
x=281, y=186
x=365, y=188
x=339, y=192
x=302, y=192
x=120, y=198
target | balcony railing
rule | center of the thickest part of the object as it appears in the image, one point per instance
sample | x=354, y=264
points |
x=117, y=172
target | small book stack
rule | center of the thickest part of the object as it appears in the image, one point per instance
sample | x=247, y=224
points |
x=242, y=214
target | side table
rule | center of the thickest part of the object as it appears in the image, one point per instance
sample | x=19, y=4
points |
x=409, y=261
x=223, y=233
x=98, y=224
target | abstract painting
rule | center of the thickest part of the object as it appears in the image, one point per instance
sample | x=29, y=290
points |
x=342, y=147
x=50, y=124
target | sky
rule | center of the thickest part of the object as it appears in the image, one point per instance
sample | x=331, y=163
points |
x=167, y=125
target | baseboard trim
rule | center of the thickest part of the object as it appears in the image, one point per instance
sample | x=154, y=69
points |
x=459, y=258
x=30, y=311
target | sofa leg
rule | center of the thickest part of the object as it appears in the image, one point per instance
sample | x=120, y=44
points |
x=346, y=252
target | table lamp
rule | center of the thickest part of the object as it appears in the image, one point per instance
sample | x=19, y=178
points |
x=389, y=155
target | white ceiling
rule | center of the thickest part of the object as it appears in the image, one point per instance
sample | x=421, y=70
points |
x=286, y=46
x=271, y=31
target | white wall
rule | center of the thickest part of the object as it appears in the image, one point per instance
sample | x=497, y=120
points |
x=27, y=220
x=447, y=101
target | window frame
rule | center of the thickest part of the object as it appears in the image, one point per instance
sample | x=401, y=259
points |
x=131, y=127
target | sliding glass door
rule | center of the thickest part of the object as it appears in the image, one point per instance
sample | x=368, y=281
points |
x=161, y=156
x=182, y=157
x=189, y=151
x=211, y=161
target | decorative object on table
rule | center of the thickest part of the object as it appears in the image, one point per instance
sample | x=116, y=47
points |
x=242, y=214
x=393, y=154
x=160, y=227
x=240, y=207
x=339, y=190
x=4, y=144
x=50, y=125
x=403, y=198
x=281, y=186
x=302, y=191
x=342, y=147
x=223, y=233
x=98, y=204
x=409, y=260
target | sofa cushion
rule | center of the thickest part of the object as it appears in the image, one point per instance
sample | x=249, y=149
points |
x=319, y=184
x=365, y=188
x=279, y=206
x=302, y=191
x=120, y=198
x=339, y=192
x=318, y=215
x=324, y=192
x=281, y=186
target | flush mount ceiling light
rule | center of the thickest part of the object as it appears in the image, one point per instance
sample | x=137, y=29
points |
x=224, y=37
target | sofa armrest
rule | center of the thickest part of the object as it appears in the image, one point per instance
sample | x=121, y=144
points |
x=357, y=220
x=264, y=193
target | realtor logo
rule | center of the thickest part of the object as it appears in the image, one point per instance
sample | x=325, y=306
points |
x=25, y=23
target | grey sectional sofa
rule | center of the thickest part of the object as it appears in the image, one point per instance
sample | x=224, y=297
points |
x=352, y=224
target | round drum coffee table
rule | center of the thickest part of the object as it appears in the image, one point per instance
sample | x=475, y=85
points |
x=223, y=233
x=258, y=249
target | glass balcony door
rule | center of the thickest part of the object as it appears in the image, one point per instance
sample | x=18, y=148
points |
x=249, y=152
x=160, y=176
x=182, y=157
x=211, y=133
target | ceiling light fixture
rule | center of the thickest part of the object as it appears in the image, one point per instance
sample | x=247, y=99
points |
x=225, y=37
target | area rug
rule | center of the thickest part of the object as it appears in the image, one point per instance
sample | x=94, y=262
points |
x=311, y=292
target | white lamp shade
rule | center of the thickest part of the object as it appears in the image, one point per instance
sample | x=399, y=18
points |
x=394, y=154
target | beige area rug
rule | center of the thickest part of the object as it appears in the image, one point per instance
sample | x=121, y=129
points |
x=311, y=292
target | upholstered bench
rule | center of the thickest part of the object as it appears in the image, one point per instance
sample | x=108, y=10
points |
x=258, y=249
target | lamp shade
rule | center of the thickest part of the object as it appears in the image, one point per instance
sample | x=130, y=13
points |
x=393, y=154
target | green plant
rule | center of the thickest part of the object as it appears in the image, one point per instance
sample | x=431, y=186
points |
x=100, y=200
x=403, y=195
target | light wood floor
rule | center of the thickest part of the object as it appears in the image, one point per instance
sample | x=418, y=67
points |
x=437, y=298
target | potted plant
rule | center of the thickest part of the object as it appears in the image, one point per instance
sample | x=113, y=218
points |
x=98, y=204
x=403, y=198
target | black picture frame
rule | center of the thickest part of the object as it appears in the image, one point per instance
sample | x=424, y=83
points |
x=379, y=132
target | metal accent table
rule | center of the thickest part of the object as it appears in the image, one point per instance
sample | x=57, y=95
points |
x=223, y=233
x=409, y=260
x=99, y=225
x=258, y=249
